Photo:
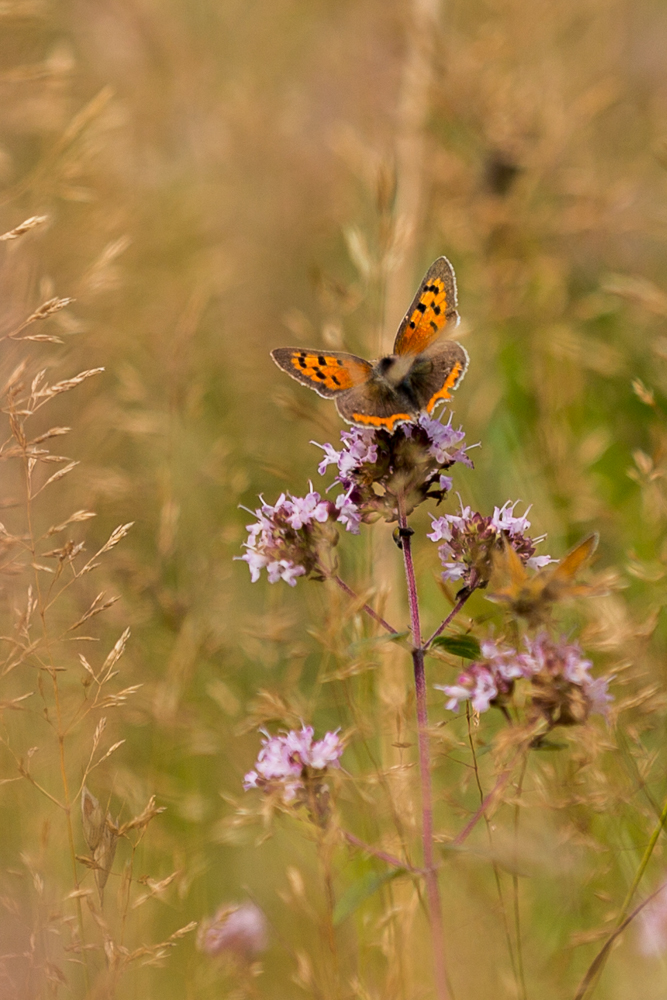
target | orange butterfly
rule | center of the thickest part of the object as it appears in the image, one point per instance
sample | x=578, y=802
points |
x=531, y=597
x=422, y=370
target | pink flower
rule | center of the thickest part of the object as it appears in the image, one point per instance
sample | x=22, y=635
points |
x=565, y=693
x=558, y=659
x=652, y=925
x=469, y=541
x=359, y=448
x=562, y=688
x=348, y=513
x=240, y=931
x=489, y=680
x=284, y=539
x=286, y=760
x=307, y=509
x=373, y=465
x=446, y=443
x=443, y=527
x=503, y=519
x=476, y=684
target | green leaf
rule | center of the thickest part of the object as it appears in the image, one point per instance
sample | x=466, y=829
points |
x=377, y=640
x=397, y=636
x=362, y=890
x=463, y=645
x=452, y=848
x=544, y=744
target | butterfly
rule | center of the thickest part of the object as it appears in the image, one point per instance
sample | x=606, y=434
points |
x=532, y=597
x=421, y=371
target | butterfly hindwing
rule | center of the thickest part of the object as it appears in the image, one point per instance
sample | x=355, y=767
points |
x=375, y=405
x=327, y=372
x=450, y=363
x=433, y=307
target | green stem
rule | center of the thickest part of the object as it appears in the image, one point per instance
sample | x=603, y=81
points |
x=592, y=977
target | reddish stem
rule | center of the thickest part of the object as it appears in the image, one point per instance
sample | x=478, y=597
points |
x=452, y=614
x=389, y=859
x=487, y=803
x=430, y=873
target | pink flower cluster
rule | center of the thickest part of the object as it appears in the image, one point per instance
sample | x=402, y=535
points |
x=652, y=925
x=239, y=931
x=287, y=759
x=282, y=540
x=373, y=466
x=487, y=681
x=469, y=540
x=563, y=689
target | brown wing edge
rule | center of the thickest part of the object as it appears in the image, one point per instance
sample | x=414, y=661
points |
x=352, y=404
x=459, y=360
x=443, y=268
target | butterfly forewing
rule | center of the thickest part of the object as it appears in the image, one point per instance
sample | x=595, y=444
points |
x=433, y=308
x=328, y=372
x=576, y=559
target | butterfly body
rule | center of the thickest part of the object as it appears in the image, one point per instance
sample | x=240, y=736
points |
x=422, y=369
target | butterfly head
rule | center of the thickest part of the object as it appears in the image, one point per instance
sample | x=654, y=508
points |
x=394, y=368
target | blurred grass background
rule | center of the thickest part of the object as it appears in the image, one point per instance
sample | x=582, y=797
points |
x=221, y=178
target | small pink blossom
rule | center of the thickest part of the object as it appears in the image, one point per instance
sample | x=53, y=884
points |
x=238, y=931
x=283, y=540
x=359, y=448
x=539, y=562
x=487, y=680
x=446, y=443
x=477, y=685
x=503, y=519
x=469, y=541
x=307, y=509
x=443, y=527
x=562, y=688
x=348, y=513
x=652, y=925
x=287, y=759
x=372, y=465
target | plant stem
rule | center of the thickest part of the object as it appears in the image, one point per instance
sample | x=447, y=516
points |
x=431, y=874
x=487, y=803
x=452, y=614
x=494, y=864
x=367, y=608
x=389, y=859
x=594, y=972
x=66, y=805
x=596, y=966
x=515, y=884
